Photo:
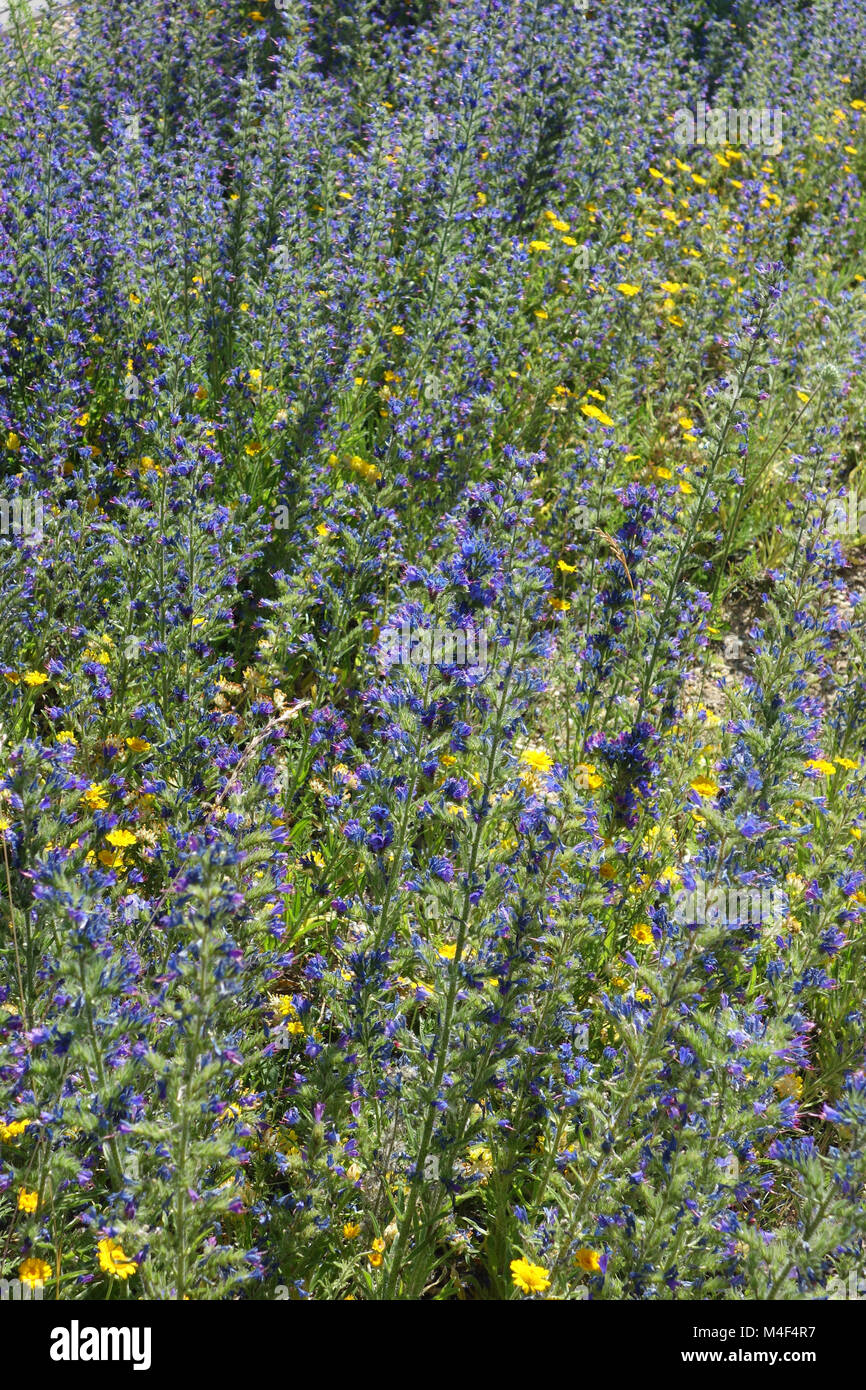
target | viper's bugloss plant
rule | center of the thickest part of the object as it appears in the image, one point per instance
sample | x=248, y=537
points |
x=433, y=668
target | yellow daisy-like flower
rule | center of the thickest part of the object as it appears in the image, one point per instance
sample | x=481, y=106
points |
x=821, y=765
x=13, y=443
x=537, y=758
x=35, y=678
x=628, y=290
x=13, y=1130
x=566, y=569
x=595, y=414
x=27, y=1201
x=94, y=797
x=589, y=777
x=398, y=330
x=539, y=246
x=137, y=745
x=120, y=838
x=529, y=1278
x=588, y=1260
x=368, y=471
x=789, y=1087
x=34, y=1272
x=113, y=1261
x=643, y=933
x=560, y=605
x=704, y=786
x=351, y=1230
x=67, y=736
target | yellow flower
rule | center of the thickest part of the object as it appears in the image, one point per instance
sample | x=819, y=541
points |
x=13, y=1130
x=537, y=758
x=643, y=933
x=588, y=1260
x=628, y=290
x=375, y=1258
x=595, y=414
x=529, y=1278
x=35, y=678
x=369, y=472
x=67, y=736
x=351, y=1230
x=539, y=246
x=821, y=765
x=398, y=330
x=27, y=1201
x=566, y=569
x=120, y=838
x=13, y=443
x=789, y=1087
x=448, y=951
x=113, y=1261
x=589, y=776
x=137, y=745
x=561, y=605
x=704, y=786
x=34, y=1272
x=94, y=797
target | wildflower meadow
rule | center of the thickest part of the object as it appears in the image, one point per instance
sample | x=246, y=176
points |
x=433, y=652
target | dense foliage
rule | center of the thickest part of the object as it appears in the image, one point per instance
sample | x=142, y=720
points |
x=433, y=667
